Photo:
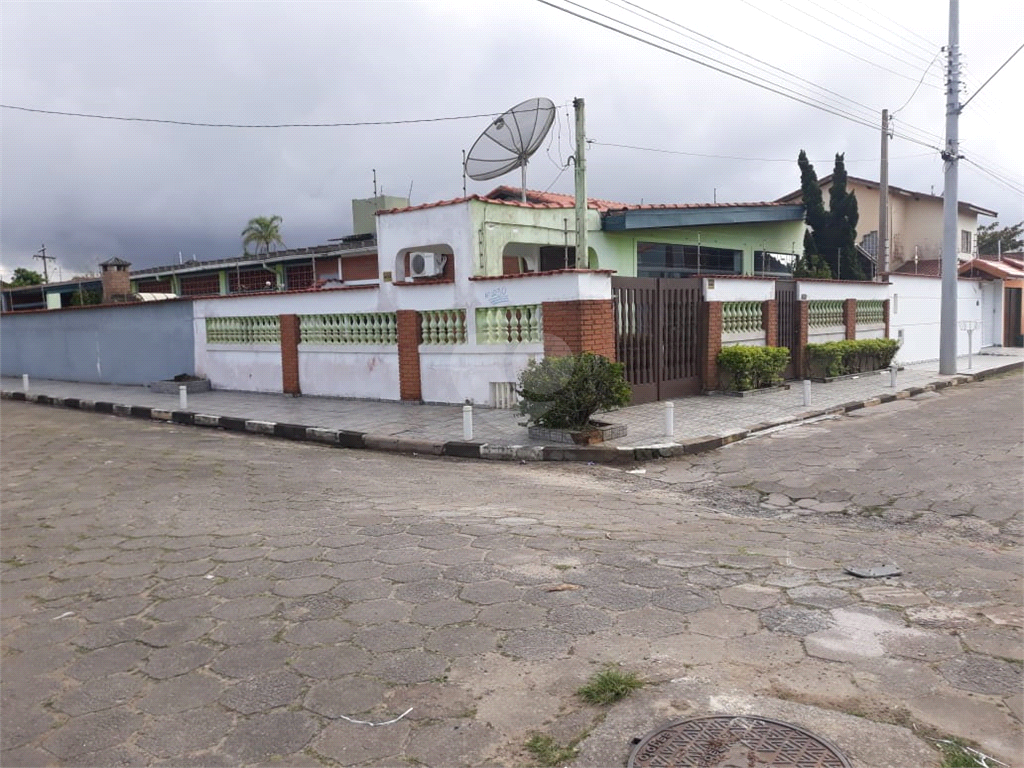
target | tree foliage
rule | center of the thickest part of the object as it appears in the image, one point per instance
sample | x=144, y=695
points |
x=264, y=232
x=22, y=277
x=564, y=392
x=993, y=239
x=831, y=243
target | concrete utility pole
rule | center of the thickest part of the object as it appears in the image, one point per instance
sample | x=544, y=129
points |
x=42, y=255
x=948, y=326
x=582, y=257
x=882, y=248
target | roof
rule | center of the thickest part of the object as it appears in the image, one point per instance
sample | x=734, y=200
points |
x=289, y=253
x=1002, y=269
x=115, y=262
x=926, y=267
x=513, y=196
x=893, y=190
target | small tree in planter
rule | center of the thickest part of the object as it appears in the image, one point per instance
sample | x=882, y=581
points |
x=563, y=393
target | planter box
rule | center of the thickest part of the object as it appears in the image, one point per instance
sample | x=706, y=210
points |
x=597, y=433
x=749, y=392
x=170, y=386
x=875, y=372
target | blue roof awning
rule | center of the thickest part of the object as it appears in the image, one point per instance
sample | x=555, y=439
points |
x=667, y=218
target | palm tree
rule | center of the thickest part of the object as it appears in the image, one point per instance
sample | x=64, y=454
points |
x=265, y=232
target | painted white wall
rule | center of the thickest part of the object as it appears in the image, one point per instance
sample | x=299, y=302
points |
x=369, y=371
x=404, y=231
x=755, y=339
x=837, y=290
x=830, y=333
x=992, y=303
x=737, y=289
x=915, y=310
x=457, y=373
x=255, y=368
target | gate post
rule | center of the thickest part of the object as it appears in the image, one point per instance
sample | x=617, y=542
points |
x=572, y=327
x=712, y=345
x=409, y=384
x=885, y=316
x=770, y=322
x=289, y=325
x=850, y=318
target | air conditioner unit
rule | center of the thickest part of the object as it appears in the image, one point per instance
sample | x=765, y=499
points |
x=426, y=264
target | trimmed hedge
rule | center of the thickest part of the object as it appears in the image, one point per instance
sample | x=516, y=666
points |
x=564, y=392
x=743, y=368
x=840, y=358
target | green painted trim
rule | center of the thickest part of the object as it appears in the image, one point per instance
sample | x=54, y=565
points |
x=222, y=278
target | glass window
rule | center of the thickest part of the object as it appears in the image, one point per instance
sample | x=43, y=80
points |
x=672, y=260
x=965, y=241
x=768, y=263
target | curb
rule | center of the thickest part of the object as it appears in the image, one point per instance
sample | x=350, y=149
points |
x=344, y=438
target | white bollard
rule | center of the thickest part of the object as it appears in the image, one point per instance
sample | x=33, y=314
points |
x=892, y=375
x=183, y=397
x=670, y=419
x=24, y=382
x=467, y=422
x=807, y=393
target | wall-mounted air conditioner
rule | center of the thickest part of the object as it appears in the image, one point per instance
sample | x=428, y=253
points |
x=426, y=264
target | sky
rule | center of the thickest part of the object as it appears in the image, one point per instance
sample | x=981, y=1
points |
x=89, y=189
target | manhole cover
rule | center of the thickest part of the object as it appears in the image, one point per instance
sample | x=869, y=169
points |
x=734, y=742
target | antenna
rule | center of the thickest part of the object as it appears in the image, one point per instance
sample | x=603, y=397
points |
x=510, y=140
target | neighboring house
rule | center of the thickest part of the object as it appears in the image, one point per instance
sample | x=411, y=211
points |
x=1009, y=271
x=499, y=234
x=915, y=222
x=48, y=295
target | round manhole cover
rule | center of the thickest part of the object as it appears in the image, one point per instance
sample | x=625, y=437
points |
x=734, y=742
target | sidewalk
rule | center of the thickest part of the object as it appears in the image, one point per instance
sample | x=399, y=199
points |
x=701, y=422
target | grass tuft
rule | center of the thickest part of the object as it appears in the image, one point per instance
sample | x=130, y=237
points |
x=548, y=752
x=609, y=685
x=954, y=755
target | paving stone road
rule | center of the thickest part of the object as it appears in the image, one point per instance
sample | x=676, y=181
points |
x=176, y=596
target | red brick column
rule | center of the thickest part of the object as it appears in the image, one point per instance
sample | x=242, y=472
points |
x=290, y=354
x=885, y=316
x=409, y=385
x=572, y=327
x=712, y=344
x=850, y=318
x=770, y=322
x=799, y=355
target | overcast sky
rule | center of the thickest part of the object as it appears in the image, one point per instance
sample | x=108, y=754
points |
x=90, y=189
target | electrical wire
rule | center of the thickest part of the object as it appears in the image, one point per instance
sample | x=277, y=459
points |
x=196, y=124
x=978, y=90
x=734, y=157
x=995, y=177
x=743, y=76
x=929, y=44
x=912, y=95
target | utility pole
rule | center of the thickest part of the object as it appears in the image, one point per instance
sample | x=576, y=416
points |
x=882, y=248
x=582, y=255
x=951, y=155
x=42, y=255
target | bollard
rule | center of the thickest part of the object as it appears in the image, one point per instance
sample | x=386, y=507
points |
x=892, y=375
x=467, y=422
x=807, y=393
x=183, y=397
x=670, y=419
x=24, y=382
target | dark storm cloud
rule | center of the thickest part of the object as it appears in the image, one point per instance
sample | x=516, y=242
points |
x=92, y=189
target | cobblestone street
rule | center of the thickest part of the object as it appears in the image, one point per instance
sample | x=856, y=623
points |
x=178, y=596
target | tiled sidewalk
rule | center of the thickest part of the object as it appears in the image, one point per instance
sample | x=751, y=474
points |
x=698, y=420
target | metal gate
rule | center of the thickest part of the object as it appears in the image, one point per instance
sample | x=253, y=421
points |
x=657, y=335
x=789, y=328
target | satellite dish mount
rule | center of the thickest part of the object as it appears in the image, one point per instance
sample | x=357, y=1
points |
x=510, y=140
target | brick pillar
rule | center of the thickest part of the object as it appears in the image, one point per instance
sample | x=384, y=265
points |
x=770, y=322
x=799, y=355
x=290, y=354
x=850, y=318
x=885, y=316
x=712, y=344
x=572, y=327
x=409, y=386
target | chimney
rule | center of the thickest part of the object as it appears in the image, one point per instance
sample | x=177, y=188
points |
x=116, y=283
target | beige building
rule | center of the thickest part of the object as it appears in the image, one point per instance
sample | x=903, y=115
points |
x=915, y=222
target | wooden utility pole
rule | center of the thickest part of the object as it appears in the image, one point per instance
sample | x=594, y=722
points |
x=42, y=255
x=582, y=254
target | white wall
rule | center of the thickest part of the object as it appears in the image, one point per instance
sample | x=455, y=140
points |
x=369, y=371
x=836, y=290
x=915, y=309
x=992, y=303
x=252, y=368
x=738, y=289
x=457, y=373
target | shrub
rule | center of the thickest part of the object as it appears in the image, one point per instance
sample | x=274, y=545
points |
x=840, y=358
x=564, y=392
x=743, y=368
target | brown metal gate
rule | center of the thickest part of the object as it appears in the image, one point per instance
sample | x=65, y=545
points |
x=657, y=335
x=789, y=330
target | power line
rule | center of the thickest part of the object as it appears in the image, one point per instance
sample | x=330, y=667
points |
x=732, y=157
x=196, y=124
x=978, y=90
x=916, y=87
x=995, y=177
x=745, y=76
x=929, y=45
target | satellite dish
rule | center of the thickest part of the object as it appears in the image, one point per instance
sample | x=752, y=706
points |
x=510, y=140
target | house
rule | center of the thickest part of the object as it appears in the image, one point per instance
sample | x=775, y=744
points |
x=1009, y=270
x=500, y=234
x=915, y=222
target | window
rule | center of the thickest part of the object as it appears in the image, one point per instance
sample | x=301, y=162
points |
x=671, y=260
x=965, y=241
x=200, y=285
x=554, y=257
x=768, y=263
x=241, y=281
